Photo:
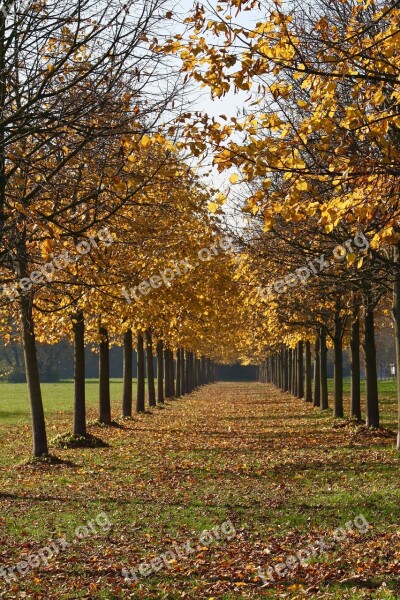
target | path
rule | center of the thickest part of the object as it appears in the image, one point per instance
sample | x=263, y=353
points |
x=270, y=464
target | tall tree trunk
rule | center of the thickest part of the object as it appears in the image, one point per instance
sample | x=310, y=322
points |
x=167, y=374
x=294, y=390
x=300, y=370
x=290, y=370
x=3, y=95
x=396, y=318
x=127, y=396
x=79, y=375
x=150, y=369
x=279, y=369
x=104, y=378
x=203, y=370
x=178, y=373
x=39, y=434
x=160, y=372
x=317, y=371
x=324, y=370
x=187, y=372
x=355, y=399
x=172, y=372
x=308, y=372
x=183, y=373
x=140, y=398
x=372, y=398
x=286, y=370
x=338, y=367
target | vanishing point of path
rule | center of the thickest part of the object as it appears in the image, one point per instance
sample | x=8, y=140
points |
x=263, y=473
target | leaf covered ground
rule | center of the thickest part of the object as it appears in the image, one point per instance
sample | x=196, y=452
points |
x=281, y=471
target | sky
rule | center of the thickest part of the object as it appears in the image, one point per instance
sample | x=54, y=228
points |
x=229, y=105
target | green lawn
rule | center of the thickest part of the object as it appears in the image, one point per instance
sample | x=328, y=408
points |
x=387, y=388
x=57, y=398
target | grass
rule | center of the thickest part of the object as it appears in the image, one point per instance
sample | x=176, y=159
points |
x=387, y=388
x=57, y=398
x=272, y=464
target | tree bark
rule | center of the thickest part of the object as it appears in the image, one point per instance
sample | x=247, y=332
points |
x=396, y=318
x=372, y=397
x=79, y=375
x=172, y=372
x=160, y=372
x=286, y=371
x=104, y=378
x=183, y=373
x=300, y=370
x=338, y=368
x=203, y=370
x=294, y=390
x=127, y=396
x=150, y=369
x=39, y=435
x=355, y=398
x=188, y=377
x=324, y=370
x=308, y=372
x=167, y=374
x=140, y=398
x=178, y=373
x=317, y=371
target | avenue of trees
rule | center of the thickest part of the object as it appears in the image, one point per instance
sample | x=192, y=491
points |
x=109, y=236
x=315, y=156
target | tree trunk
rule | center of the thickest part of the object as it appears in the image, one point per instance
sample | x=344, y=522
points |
x=294, y=389
x=39, y=435
x=104, y=378
x=286, y=371
x=372, y=398
x=324, y=370
x=167, y=374
x=160, y=372
x=338, y=368
x=127, y=395
x=300, y=370
x=150, y=369
x=178, y=373
x=355, y=399
x=203, y=370
x=79, y=375
x=317, y=371
x=308, y=372
x=140, y=398
x=396, y=318
x=188, y=380
x=172, y=372
x=183, y=374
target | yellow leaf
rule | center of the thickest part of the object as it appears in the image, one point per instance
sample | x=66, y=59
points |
x=234, y=178
x=351, y=258
x=267, y=184
x=145, y=141
x=213, y=207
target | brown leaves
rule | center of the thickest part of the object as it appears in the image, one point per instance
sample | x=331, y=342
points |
x=269, y=462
